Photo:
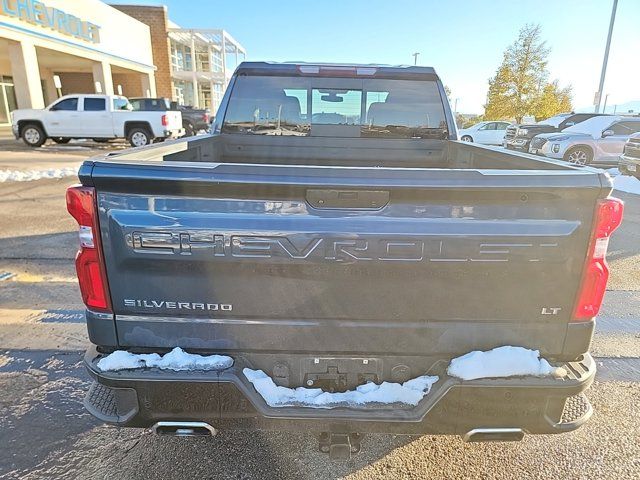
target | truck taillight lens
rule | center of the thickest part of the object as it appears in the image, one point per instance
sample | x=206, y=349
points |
x=608, y=216
x=165, y=120
x=205, y=118
x=81, y=204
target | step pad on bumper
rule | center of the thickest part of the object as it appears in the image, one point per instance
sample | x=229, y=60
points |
x=575, y=408
x=109, y=404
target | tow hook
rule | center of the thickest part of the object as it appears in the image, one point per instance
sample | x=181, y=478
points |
x=340, y=446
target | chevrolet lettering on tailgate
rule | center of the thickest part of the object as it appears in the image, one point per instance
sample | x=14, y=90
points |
x=315, y=248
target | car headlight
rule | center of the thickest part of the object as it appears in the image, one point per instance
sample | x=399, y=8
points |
x=555, y=148
x=522, y=131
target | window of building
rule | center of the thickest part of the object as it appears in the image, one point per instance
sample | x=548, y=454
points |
x=180, y=57
x=216, y=61
x=95, y=104
x=66, y=104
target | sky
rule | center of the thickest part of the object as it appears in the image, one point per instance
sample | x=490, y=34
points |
x=463, y=40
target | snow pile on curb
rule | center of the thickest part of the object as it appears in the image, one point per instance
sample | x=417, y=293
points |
x=504, y=361
x=176, y=359
x=31, y=175
x=410, y=392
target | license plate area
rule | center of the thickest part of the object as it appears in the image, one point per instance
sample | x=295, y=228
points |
x=631, y=168
x=340, y=374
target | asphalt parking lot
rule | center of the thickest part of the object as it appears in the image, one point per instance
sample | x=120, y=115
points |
x=45, y=432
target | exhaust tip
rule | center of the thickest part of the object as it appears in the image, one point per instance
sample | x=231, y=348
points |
x=184, y=429
x=494, y=435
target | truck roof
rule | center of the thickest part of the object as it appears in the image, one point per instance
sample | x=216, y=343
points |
x=336, y=69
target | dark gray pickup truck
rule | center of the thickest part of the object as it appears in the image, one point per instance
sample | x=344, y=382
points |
x=337, y=244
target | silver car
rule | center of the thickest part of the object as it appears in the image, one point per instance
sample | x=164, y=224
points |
x=597, y=140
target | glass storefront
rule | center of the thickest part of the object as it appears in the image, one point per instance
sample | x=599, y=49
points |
x=7, y=99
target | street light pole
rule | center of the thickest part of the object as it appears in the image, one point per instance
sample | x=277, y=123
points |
x=415, y=57
x=606, y=56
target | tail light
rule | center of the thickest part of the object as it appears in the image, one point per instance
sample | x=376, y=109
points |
x=81, y=204
x=608, y=216
x=205, y=118
x=165, y=121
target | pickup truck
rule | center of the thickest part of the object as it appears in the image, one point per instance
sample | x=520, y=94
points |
x=193, y=119
x=336, y=246
x=99, y=117
x=518, y=137
x=629, y=163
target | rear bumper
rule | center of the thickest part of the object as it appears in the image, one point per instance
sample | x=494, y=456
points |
x=629, y=166
x=176, y=133
x=226, y=400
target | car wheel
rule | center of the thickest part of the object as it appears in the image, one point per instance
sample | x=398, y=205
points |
x=466, y=138
x=33, y=135
x=579, y=155
x=189, y=130
x=139, y=137
x=61, y=140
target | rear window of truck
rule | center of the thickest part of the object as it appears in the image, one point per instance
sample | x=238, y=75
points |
x=347, y=107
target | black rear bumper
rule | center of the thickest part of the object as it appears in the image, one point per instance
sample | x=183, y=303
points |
x=226, y=400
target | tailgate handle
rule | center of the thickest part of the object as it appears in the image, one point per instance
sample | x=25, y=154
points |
x=360, y=199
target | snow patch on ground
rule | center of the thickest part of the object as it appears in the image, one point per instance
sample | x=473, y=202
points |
x=409, y=392
x=31, y=175
x=176, y=359
x=624, y=183
x=504, y=361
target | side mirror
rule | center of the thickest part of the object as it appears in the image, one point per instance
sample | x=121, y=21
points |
x=608, y=133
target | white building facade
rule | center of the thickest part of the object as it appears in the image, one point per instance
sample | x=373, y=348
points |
x=50, y=48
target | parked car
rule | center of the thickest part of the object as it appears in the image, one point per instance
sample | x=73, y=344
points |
x=486, y=133
x=599, y=140
x=100, y=117
x=329, y=257
x=630, y=159
x=193, y=120
x=518, y=137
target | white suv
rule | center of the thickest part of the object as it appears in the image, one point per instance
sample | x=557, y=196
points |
x=597, y=140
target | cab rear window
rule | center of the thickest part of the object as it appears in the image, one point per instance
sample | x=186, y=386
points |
x=351, y=107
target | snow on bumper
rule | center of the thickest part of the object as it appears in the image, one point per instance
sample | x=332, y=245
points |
x=409, y=392
x=177, y=359
x=501, y=362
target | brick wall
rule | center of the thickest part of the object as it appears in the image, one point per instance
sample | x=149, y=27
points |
x=131, y=84
x=157, y=20
x=76, y=82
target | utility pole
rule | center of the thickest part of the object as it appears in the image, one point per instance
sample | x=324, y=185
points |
x=415, y=57
x=606, y=57
x=455, y=106
x=604, y=108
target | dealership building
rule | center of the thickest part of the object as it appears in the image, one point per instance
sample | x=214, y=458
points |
x=50, y=48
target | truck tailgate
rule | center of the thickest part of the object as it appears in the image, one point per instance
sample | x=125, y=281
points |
x=345, y=260
x=174, y=120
